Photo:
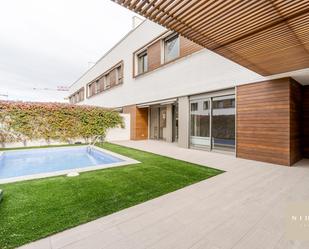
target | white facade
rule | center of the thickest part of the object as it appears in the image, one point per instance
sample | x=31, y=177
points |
x=200, y=72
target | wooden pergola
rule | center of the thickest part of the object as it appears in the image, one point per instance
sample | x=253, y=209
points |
x=266, y=36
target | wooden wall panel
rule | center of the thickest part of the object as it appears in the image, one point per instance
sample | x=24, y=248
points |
x=188, y=47
x=154, y=55
x=112, y=76
x=268, y=123
x=139, y=122
x=295, y=121
x=306, y=121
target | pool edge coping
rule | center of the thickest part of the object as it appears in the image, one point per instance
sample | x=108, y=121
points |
x=126, y=161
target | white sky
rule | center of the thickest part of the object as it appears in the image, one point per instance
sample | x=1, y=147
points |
x=48, y=43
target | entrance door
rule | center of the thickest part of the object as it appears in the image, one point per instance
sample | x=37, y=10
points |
x=154, y=123
x=158, y=123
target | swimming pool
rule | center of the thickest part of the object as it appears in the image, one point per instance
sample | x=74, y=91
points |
x=27, y=164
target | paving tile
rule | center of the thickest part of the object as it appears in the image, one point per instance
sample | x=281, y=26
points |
x=98, y=240
x=40, y=244
x=242, y=208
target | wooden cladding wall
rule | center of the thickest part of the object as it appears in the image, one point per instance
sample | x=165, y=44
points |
x=139, y=122
x=306, y=121
x=296, y=94
x=268, y=121
x=154, y=56
x=112, y=76
x=188, y=47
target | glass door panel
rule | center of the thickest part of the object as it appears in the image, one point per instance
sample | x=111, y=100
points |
x=200, y=123
x=223, y=123
x=162, y=117
x=175, y=123
x=154, y=123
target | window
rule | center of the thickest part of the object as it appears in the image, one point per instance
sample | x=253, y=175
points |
x=92, y=89
x=101, y=84
x=226, y=103
x=171, y=48
x=97, y=87
x=81, y=94
x=77, y=96
x=142, y=61
x=205, y=105
x=107, y=81
x=194, y=106
x=119, y=75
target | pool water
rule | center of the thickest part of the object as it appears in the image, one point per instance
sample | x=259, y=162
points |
x=36, y=161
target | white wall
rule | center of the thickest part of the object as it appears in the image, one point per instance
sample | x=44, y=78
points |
x=120, y=134
x=200, y=72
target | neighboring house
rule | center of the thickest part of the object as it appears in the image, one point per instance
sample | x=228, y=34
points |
x=178, y=91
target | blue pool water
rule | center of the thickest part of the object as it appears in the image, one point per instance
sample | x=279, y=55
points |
x=36, y=161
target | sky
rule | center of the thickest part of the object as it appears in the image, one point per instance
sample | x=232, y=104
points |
x=49, y=43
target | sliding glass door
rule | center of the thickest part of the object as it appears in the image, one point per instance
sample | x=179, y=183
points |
x=223, y=123
x=200, y=123
x=212, y=123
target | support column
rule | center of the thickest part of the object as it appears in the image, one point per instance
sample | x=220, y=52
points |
x=183, y=122
x=169, y=123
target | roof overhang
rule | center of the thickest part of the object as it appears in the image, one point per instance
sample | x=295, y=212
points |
x=266, y=36
x=160, y=102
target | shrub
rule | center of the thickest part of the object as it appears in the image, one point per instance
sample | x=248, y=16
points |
x=20, y=121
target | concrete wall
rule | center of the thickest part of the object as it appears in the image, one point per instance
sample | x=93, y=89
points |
x=120, y=134
x=183, y=122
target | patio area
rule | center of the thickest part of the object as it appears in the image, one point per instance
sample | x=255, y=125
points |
x=241, y=208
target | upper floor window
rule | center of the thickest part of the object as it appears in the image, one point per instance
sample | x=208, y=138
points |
x=77, y=96
x=109, y=79
x=142, y=62
x=194, y=106
x=119, y=74
x=97, y=87
x=171, y=48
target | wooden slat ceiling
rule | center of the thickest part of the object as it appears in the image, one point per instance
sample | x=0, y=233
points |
x=266, y=36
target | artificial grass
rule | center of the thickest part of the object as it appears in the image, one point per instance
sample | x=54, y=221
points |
x=31, y=210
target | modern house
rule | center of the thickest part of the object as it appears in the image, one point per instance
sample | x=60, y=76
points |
x=178, y=89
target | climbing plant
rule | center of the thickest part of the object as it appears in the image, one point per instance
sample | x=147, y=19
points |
x=20, y=121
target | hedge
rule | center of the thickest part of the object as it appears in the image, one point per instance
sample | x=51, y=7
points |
x=22, y=121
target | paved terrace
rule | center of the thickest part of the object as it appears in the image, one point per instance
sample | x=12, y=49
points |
x=243, y=208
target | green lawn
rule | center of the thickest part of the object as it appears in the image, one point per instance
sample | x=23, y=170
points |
x=34, y=209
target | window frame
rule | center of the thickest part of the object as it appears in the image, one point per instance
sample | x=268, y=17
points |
x=77, y=96
x=141, y=56
x=106, y=80
x=167, y=39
